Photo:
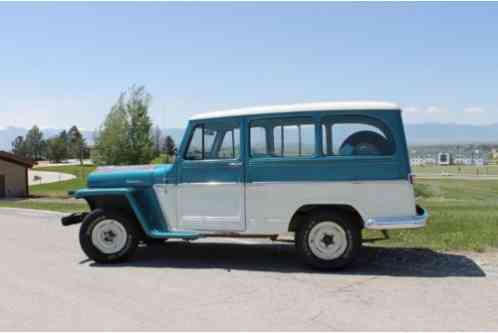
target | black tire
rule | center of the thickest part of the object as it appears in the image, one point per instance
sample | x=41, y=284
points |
x=346, y=222
x=133, y=236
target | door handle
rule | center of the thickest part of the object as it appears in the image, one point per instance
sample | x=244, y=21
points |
x=234, y=164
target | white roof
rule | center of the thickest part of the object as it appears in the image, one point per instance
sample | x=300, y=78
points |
x=304, y=107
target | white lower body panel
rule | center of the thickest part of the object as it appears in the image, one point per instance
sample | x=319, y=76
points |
x=267, y=208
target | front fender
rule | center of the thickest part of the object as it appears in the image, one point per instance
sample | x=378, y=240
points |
x=131, y=195
x=126, y=192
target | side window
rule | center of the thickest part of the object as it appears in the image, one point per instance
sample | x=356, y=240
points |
x=286, y=138
x=259, y=146
x=209, y=140
x=213, y=143
x=195, y=147
x=355, y=139
x=230, y=146
x=294, y=140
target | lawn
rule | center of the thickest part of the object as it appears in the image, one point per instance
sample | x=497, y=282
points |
x=60, y=189
x=464, y=216
x=467, y=170
x=66, y=206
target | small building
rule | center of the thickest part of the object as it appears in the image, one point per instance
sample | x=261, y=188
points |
x=444, y=159
x=14, y=175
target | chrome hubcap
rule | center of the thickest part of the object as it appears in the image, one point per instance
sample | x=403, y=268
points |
x=109, y=236
x=327, y=240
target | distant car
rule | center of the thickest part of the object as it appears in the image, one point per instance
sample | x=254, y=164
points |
x=324, y=171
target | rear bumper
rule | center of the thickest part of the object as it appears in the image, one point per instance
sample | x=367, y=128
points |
x=405, y=222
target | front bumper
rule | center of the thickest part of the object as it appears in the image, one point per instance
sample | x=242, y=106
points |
x=405, y=222
x=73, y=219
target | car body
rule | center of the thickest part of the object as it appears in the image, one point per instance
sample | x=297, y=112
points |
x=337, y=166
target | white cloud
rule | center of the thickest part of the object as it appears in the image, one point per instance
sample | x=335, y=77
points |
x=435, y=110
x=473, y=110
x=411, y=109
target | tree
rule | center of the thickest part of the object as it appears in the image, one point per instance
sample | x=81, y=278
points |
x=141, y=144
x=125, y=135
x=19, y=147
x=56, y=149
x=77, y=144
x=111, y=140
x=169, y=146
x=34, y=143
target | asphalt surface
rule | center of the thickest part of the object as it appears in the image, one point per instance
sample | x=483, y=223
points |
x=47, y=283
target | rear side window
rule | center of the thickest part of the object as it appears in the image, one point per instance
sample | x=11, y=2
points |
x=356, y=138
x=282, y=138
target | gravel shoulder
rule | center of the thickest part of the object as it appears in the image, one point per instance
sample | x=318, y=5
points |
x=48, y=284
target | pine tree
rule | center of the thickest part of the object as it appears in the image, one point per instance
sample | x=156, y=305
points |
x=169, y=146
x=77, y=144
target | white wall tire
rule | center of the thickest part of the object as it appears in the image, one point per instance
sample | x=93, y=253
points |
x=107, y=237
x=328, y=240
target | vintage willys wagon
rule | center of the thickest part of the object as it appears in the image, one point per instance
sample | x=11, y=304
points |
x=324, y=171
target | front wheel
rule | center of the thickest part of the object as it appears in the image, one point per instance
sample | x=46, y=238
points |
x=107, y=237
x=328, y=240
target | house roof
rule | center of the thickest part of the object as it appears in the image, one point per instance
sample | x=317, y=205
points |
x=304, y=107
x=9, y=157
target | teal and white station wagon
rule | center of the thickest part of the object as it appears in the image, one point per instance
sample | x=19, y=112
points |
x=324, y=171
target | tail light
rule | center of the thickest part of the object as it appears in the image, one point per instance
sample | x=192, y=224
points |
x=411, y=178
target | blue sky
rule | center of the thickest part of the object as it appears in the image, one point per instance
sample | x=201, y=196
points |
x=66, y=63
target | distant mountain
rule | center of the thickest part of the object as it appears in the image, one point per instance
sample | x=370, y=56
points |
x=429, y=133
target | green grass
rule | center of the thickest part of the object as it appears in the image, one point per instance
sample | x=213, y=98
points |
x=61, y=206
x=163, y=159
x=464, y=216
x=60, y=189
x=467, y=170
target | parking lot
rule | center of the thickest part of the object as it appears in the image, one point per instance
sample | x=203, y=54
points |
x=48, y=284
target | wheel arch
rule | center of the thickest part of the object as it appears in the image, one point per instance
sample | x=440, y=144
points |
x=299, y=215
x=119, y=204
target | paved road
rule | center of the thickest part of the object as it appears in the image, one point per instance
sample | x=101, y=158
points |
x=46, y=283
x=47, y=177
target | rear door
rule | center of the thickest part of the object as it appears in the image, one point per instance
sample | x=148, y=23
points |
x=211, y=188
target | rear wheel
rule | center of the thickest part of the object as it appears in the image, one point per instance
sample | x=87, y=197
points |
x=328, y=240
x=108, y=237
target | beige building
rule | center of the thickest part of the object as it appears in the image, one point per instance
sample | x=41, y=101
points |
x=14, y=175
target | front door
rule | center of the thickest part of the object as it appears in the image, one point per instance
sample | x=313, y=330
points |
x=210, y=183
